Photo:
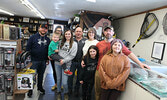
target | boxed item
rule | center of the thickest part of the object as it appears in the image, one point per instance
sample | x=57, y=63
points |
x=1, y=31
x=9, y=79
x=13, y=33
x=25, y=81
x=1, y=57
x=2, y=96
x=9, y=58
x=5, y=31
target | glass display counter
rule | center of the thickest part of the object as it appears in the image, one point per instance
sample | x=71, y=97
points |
x=146, y=84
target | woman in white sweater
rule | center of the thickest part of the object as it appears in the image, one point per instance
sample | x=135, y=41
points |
x=91, y=35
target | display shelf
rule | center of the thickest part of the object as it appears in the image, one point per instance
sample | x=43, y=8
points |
x=8, y=40
x=20, y=91
x=32, y=23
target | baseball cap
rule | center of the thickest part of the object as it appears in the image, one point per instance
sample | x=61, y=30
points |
x=111, y=28
x=44, y=26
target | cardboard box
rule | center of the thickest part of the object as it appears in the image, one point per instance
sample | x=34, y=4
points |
x=25, y=81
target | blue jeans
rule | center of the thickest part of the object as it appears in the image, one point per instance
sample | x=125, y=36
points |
x=74, y=66
x=40, y=67
x=61, y=79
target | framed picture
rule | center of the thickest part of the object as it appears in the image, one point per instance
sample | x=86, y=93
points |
x=26, y=19
x=51, y=21
x=31, y=21
x=158, y=50
x=36, y=21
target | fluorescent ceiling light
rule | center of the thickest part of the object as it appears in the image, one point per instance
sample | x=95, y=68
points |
x=6, y=12
x=32, y=8
x=91, y=1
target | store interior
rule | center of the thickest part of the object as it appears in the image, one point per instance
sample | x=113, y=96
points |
x=145, y=36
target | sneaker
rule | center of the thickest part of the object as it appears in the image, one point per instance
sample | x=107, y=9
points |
x=41, y=90
x=29, y=94
x=59, y=96
x=68, y=72
x=66, y=96
x=54, y=87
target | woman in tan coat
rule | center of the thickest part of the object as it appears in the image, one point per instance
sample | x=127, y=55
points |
x=114, y=70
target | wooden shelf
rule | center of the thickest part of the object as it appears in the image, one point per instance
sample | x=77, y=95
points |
x=8, y=40
x=20, y=91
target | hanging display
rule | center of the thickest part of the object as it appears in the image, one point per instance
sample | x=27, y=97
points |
x=164, y=23
x=149, y=26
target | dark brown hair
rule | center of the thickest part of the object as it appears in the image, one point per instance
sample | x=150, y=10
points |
x=87, y=56
x=64, y=39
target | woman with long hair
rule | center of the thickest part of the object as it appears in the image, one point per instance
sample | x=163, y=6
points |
x=67, y=50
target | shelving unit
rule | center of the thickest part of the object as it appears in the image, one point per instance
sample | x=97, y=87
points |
x=17, y=94
x=32, y=23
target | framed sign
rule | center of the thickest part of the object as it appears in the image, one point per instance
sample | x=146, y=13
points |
x=26, y=19
x=158, y=50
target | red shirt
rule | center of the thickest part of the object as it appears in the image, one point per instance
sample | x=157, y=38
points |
x=104, y=46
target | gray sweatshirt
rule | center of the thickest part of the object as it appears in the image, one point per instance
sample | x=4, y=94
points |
x=68, y=53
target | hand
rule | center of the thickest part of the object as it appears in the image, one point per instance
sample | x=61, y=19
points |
x=61, y=62
x=81, y=82
x=56, y=50
x=144, y=66
x=49, y=58
x=82, y=64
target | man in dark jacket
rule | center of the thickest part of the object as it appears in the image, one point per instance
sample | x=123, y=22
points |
x=38, y=47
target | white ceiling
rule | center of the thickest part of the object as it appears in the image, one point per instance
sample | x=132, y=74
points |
x=65, y=9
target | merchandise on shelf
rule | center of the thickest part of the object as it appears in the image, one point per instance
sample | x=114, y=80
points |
x=2, y=83
x=0, y=31
x=26, y=79
x=9, y=58
x=9, y=79
x=1, y=57
x=6, y=31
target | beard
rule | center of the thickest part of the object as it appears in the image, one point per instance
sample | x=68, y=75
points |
x=108, y=36
x=42, y=32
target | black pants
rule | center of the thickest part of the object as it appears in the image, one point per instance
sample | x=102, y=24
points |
x=54, y=70
x=87, y=90
x=56, y=57
x=109, y=94
x=40, y=67
x=75, y=66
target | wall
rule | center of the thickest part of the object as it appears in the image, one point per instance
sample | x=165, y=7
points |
x=130, y=29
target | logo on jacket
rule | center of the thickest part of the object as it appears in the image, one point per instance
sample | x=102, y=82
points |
x=42, y=41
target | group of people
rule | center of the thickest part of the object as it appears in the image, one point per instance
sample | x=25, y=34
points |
x=103, y=63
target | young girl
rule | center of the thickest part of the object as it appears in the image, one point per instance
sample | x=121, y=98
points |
x=113, y=70
x=88, y=72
